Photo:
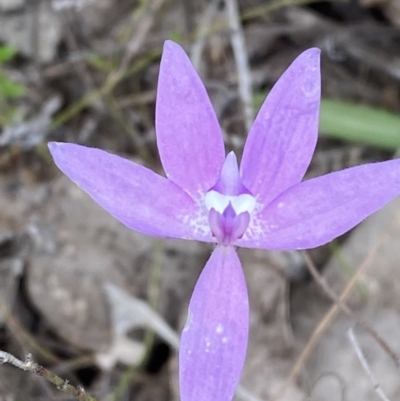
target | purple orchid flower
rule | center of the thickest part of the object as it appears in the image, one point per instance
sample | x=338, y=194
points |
x=206, y=197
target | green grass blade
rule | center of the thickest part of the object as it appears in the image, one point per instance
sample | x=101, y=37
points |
x=355, y=123
x=360, y=123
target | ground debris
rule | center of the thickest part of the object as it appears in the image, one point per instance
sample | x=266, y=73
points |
x=58, y=250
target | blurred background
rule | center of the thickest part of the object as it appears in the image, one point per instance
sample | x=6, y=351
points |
x=102, y=306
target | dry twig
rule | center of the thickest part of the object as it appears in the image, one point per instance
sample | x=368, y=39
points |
x=39, y=370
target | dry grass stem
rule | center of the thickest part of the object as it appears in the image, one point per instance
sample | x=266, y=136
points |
x=242, y=63
x=201, y=33
x=140, y=34
x=81, y=66
x=364, y=364
x=331, y=314
x=346, y=310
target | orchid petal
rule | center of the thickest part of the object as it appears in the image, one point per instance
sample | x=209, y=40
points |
x=316, y=211
x=189, y=138
x=214, y=340
x=282, y=139
x=133, y=194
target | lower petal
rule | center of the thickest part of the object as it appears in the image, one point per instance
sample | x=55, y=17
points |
x=214, y=340
x=139, y=198
x=316, y=211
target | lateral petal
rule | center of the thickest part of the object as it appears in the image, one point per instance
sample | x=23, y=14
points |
x=316, y=211
x=139, y=198
x=282, y=139
x=214, y=340
x=189, y=138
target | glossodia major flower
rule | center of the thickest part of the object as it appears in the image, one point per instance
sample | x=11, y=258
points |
x=207, y=197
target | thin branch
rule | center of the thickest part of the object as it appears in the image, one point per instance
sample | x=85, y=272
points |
x=242, y=63
x=5, y=357
x=346, y=310
x=40, y=371
x=364, y=364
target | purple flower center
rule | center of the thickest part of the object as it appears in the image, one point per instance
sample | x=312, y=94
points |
x=229, y=204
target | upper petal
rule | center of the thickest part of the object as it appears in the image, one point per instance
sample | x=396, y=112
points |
x=316, y=211
x=214, y=340
x=189, y=138
x=133, y=194
x=282, y=139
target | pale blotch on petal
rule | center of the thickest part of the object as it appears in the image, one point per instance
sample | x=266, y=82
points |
x=198, y=223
